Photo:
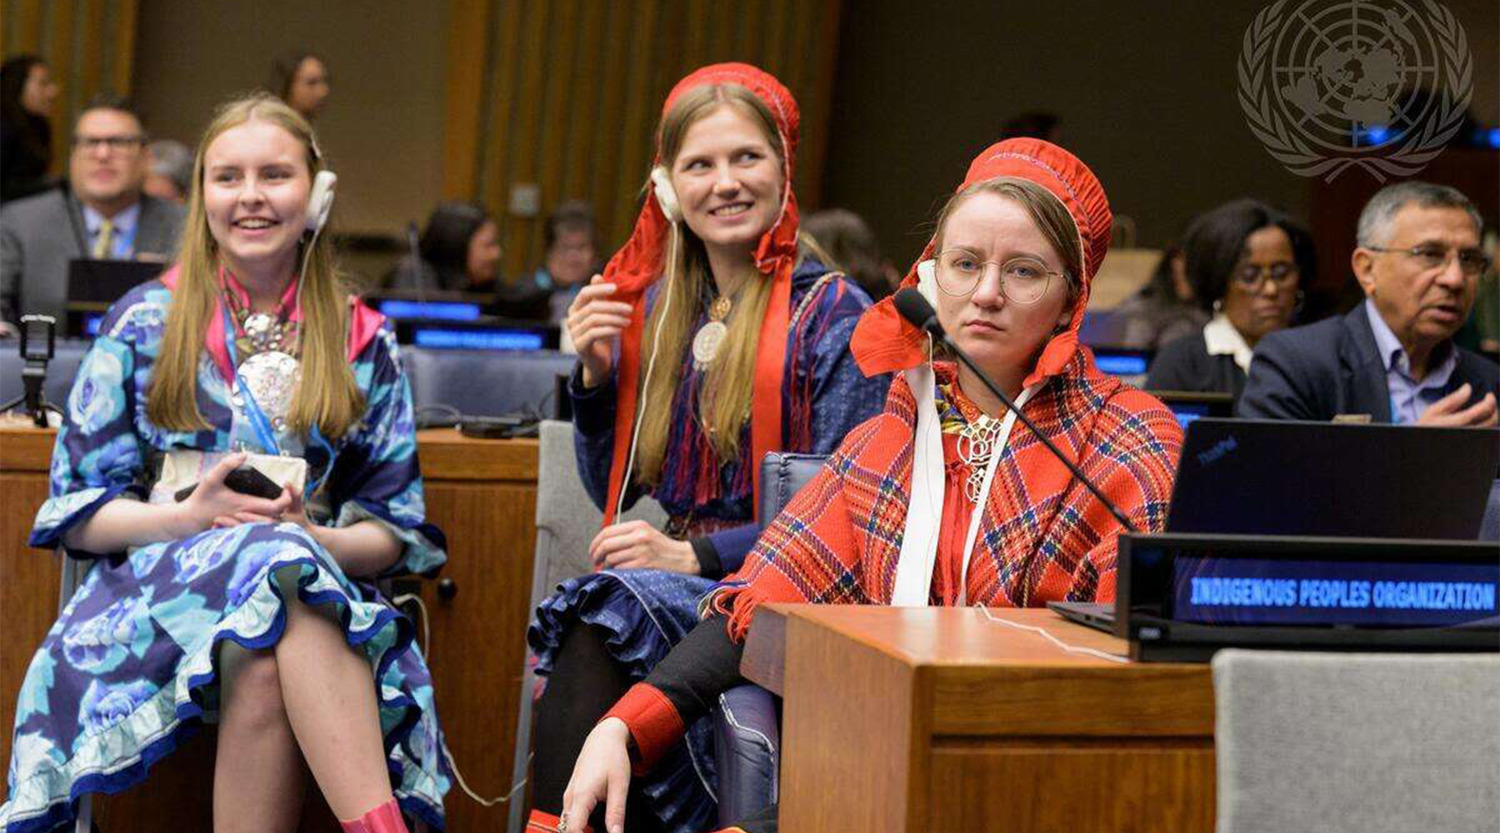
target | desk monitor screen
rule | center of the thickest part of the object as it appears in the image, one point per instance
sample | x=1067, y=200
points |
x=102, y=282
x=1188, y=406
x=93, y=285
x=1249, y=581
x=1252, y=591
x=401, y=309
x=1264, y=477
x=1128, y=363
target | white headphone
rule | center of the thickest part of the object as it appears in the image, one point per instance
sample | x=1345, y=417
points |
x=320, y=200
x=666, y=195
x=927, y=281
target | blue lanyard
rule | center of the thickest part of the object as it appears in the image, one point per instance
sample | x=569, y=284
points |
x=257, y=417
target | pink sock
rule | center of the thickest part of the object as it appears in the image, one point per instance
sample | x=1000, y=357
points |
x=383, y=819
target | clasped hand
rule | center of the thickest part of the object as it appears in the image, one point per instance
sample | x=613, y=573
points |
x=639, y=544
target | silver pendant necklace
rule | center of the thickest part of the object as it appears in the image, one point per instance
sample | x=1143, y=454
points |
x=710, y=337
x=976, y=445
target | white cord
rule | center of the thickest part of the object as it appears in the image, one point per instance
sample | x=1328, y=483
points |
x=485, y=802
x=447, y=753
x=640, y=407
x=1072, y=649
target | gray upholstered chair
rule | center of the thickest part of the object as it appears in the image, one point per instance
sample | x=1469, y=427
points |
x=1361, y=743
x=747, y=733
x=1489, y=528
x=566, y=521
x=517, y=381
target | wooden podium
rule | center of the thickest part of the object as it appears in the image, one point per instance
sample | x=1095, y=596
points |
x=918, y=719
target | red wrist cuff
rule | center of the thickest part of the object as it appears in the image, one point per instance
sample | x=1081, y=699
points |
x=541, y=822
x=653, y=721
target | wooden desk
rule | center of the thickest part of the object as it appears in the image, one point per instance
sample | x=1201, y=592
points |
x=482, y=493
x=917, y=719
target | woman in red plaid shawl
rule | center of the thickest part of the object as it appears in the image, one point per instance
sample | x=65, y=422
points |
x=890, y=519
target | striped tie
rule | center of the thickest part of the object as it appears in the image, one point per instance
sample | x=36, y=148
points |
x=104, y=243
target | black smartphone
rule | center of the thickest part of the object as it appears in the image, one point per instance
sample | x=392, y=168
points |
x=245, y=480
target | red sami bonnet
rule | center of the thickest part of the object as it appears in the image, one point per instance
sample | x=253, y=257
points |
x=883, y=342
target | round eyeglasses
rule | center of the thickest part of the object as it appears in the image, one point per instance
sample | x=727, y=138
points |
x=1023, y=280
x=1253, y=276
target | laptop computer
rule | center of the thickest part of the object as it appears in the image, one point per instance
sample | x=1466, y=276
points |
x=1276, y=477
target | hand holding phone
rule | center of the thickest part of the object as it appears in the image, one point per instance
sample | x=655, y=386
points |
x=245, y=480
x=232, y=493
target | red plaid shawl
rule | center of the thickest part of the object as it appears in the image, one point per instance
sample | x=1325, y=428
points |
x=1043, y=537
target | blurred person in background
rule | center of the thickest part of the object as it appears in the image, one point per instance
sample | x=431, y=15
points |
x=1164, y=310
x=169, y=171
x=848, y=240
x=301, y=79
x=1247, y=263
x=27, y=93
x=572, y=255
x=1393, y=358
x=459, y=248
x=99, y=213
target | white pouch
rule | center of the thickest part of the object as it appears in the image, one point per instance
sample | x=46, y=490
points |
x=186, y=467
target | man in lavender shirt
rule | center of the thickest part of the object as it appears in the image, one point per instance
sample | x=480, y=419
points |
x=1391, y=359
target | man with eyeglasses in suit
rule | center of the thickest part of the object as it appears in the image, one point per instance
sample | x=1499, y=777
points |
x=1391, y=359
x=99, y=213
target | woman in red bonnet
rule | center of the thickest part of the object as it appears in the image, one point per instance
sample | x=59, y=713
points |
x=891, y=518
x=712, y=338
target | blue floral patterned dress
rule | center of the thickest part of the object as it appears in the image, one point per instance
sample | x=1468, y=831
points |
x=130, y=668
x=824, y=396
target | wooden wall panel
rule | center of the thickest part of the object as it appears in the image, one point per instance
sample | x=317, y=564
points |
x=468, y=47
x=570, y=92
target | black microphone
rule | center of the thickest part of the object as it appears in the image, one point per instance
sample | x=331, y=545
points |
x=414, y=249
x=915, y=309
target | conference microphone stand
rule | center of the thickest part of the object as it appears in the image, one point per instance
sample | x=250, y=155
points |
x=915, y=309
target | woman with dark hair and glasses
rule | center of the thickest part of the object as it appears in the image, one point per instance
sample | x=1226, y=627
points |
x=1247, y=263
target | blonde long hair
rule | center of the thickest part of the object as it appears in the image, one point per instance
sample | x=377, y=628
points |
x=728, y=383
x=326, y=396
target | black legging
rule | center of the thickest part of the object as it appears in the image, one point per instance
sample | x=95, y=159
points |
x=584, y=684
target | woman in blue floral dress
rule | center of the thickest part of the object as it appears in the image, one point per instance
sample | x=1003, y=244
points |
x=257, y=608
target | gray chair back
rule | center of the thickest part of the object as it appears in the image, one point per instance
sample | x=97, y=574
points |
x=747, y=723
x=1356, y=743
x=566, y=521
x=566, y=517
x=484, y=383
x=1489, y=527
x=782, y=475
